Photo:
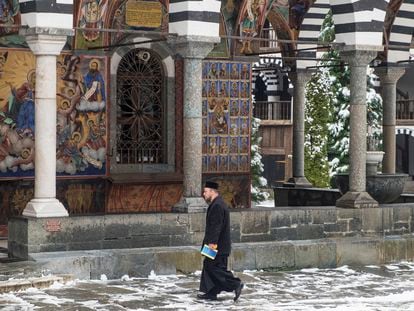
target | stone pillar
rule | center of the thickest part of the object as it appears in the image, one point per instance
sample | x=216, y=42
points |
x=357, y=197
x=46, y=47
x=299, y=80
x=193, y=53
x=389, y=77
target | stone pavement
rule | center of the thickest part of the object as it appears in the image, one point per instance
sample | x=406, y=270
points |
x=379, y=287
x=368, y=288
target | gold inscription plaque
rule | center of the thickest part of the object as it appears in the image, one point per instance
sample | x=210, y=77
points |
x=143, y=13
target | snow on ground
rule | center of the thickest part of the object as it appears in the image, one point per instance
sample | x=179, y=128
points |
x=267, y=203
x=378, y=288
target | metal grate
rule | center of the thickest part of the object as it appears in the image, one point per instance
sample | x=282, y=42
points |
x=140, y=112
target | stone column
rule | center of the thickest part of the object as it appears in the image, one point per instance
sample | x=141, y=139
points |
x=299, y=80
x=389, y=77
x=193, y=52
x=357, y=197
x=46, y=47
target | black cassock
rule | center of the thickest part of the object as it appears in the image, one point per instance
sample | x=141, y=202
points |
x=215, y=277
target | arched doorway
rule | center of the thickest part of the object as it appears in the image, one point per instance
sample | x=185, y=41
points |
x=140, y=111
x=404, y=154
x=405, y=158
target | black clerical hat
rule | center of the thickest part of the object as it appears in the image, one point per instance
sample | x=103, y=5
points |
x=211, y=184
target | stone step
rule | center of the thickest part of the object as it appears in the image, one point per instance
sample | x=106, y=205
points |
x=409, y=186
x=13, y=285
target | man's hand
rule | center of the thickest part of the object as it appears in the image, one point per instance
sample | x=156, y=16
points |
x=212, y=246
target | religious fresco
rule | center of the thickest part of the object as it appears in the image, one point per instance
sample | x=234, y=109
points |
x=90, y=16
x=81, y=114
x=81, y=197
x=14, y=196
x=78, y=196
x=244, y=21
x=226, y=119
x=17, y=128
x=250, y=21
x=143, y=198
x=9, y=17
x=117, y=15
x=229, y=12
x=282, y=6
x=226, y=116
x=235, y=189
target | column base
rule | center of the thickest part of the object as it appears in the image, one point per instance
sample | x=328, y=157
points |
x=190, y=205
x=298, y=182
x=42, y=208
x=356, y=200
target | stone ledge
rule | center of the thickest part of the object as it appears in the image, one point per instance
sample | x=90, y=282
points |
x=30, y=235
x=13, y=285
x=292, y=255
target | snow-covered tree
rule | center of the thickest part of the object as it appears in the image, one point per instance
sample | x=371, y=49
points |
x=256, y=166
x=318, y=107
x=332, y=90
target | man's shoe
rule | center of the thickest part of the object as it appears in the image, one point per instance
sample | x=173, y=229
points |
x=237, y=291
x=206, y=296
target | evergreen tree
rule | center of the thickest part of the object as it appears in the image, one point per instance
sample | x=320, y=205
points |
x=338, y=99
x=318, y=107
x=256, y=165
x=318, y=116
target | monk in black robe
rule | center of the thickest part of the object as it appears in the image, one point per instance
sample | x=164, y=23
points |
x=215, y=277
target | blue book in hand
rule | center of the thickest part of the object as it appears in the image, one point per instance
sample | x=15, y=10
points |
x=208, y=252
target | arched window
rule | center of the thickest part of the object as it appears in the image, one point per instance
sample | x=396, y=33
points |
x=140, y=113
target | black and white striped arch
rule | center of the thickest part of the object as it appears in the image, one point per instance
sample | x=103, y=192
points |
x=401, y=33
x=309, y=32
x=359, y=22
x=405, y=131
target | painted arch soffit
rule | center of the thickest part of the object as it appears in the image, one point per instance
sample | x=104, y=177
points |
x=391, y=14
x=285, y=16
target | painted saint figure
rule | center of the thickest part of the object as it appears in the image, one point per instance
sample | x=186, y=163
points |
x=223, y=72
x=94, y=150
x=223, y=90
x=21, y=104
x=234, y=74
x=91, y=18
x=94, y=97
x=223, y=148
x=9, y=15
x=245, y=72
x=219, y=119
x=251, y=19
x=213, y=73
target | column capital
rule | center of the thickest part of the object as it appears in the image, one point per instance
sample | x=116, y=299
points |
x=390, y=74
x=358, y=58
x=193, y=46
x=46, y=41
